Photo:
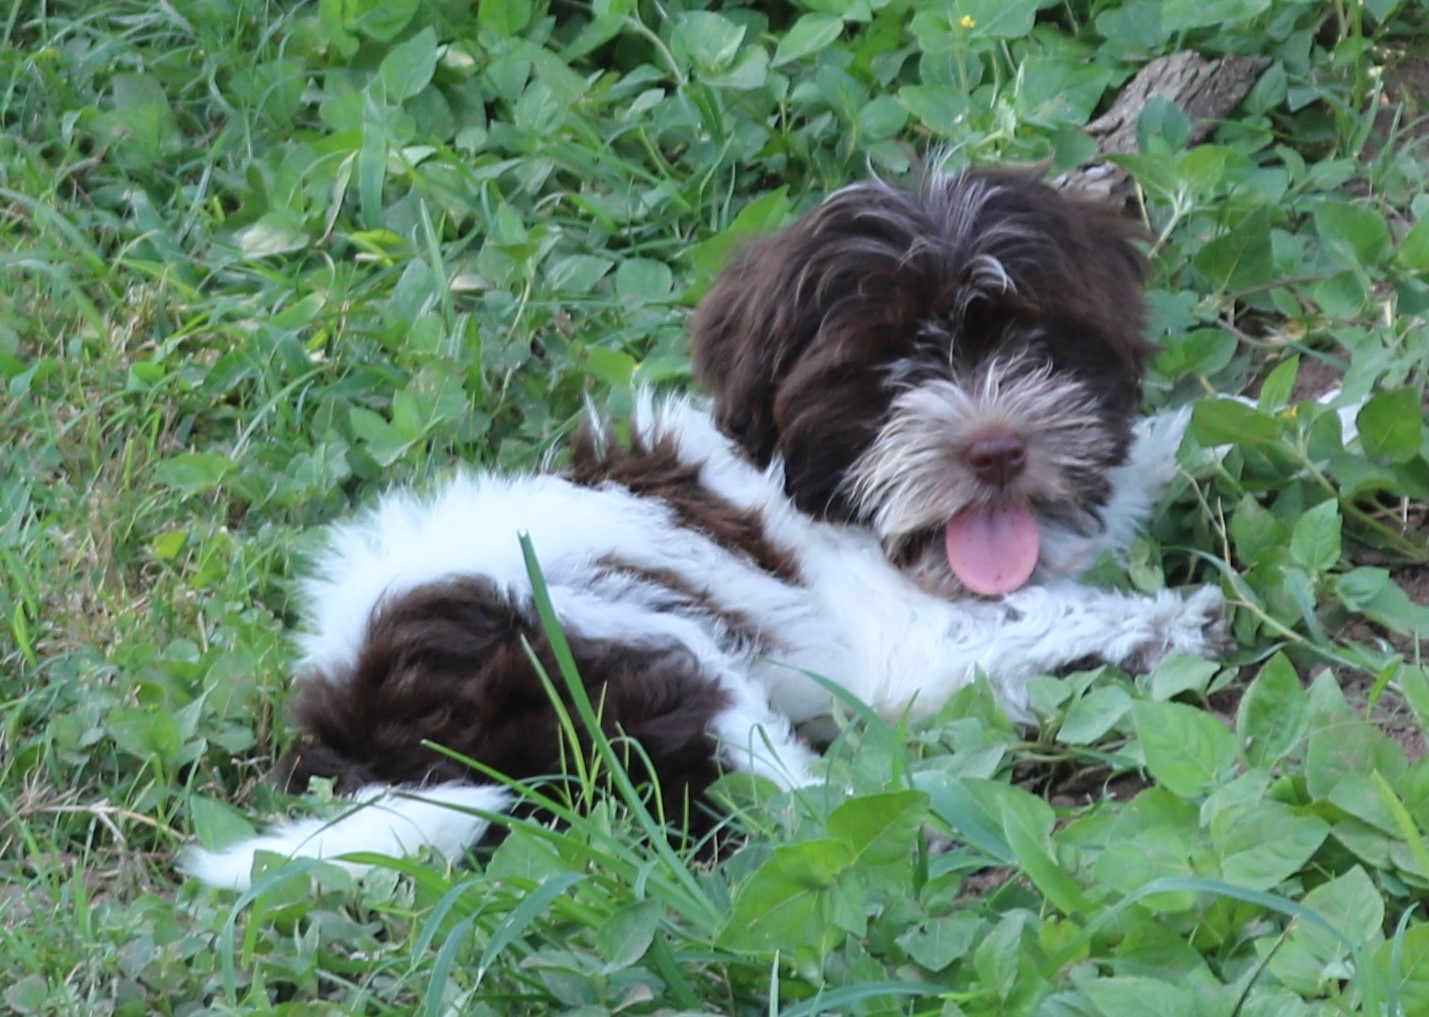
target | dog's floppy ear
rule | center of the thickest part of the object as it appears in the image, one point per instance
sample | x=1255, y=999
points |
x=749, y=331
x=792, y=339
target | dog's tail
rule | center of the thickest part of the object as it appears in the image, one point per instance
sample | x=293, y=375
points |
x=392, y=821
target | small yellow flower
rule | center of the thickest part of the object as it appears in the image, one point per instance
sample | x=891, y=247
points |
x=967, y=21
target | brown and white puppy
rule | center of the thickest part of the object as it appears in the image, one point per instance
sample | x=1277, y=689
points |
x=923, y=425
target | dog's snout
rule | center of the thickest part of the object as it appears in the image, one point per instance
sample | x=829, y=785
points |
x=997, y=458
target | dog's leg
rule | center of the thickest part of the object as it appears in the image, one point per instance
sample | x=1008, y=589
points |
x=1043, y=630
x=1138, y=484
x=754, y=738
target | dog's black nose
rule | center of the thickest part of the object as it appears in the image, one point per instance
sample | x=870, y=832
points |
x=997, y=458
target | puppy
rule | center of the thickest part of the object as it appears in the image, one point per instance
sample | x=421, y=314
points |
x=922, y=425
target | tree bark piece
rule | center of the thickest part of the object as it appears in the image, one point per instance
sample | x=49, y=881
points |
x=1205, y=90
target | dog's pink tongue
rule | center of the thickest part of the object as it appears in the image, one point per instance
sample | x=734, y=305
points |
x=993, y=550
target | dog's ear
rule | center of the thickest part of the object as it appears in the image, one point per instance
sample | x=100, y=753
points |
x=794, y=339
x=748, y=332
x=828, y=415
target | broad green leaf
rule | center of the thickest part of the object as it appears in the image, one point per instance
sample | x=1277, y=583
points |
x=643, y=280
x=1247, y=788
x=786, y=905
x=1255, y=531
x=29, y=994
x=938, y=109
x=217, y=823
x=1343, y=294
x=972, y=807
x=1181, y=673
x=1162, y=122
x=883, y=117
x=1356, y=795
x=1413, y=252
x=278, y=232
x=1181, y=15
x=762, y=215
x=1315, y=540
x=1187, y=750
x=749, y=72
x=1204, y=167
x=995, y=958
x=613, y=367
x=1370, y=845
x=379, y=439
x=606, y=23
x=997, y=19
x=1349, y=746
x=1027, y=823
x=1120, y=996
x=382, y=20
x=711, y=39
x=1134, y=26
x=145, y=733
x=1413, y=681
x=1241, y=258
x=625, y=936
x=1312, y=958
x=1373, y=592
x=1382, y=9
x=504, y=17
x=1278, y=385
x=167, y=545
x=142, y=116
x=1227, y=422
x=1391, y=426
x=408, y=67
x=1403, y=964
x=939, y=941
x=879, y=828
x=432, y=398
x=576, y=274
x=1274, y=714
x=810, y=34
x=1053, y=91
x=1262, y=844
x=1355, y=234
x=1092, y=716
x=194, y=472
x=1156, y=835
x=523, y=856
x=1202, y=351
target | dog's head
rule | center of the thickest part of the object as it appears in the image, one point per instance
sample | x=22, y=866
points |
x=957, y=367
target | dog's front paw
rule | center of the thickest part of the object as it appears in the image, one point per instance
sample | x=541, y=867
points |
x=1194, y=625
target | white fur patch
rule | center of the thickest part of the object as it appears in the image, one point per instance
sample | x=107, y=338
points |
x=380, y=821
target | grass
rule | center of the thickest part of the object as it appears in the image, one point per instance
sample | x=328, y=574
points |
x=262, y=260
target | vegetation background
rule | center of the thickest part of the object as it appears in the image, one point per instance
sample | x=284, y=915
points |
x=261, y=260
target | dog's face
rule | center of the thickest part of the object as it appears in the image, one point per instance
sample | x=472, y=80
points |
x=957, y=368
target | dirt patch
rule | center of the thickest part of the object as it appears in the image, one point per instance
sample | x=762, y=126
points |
x=1389, y=713
x=1089, y=786
x=1315, y=378
x=1415, y=581
x=1405, y=99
